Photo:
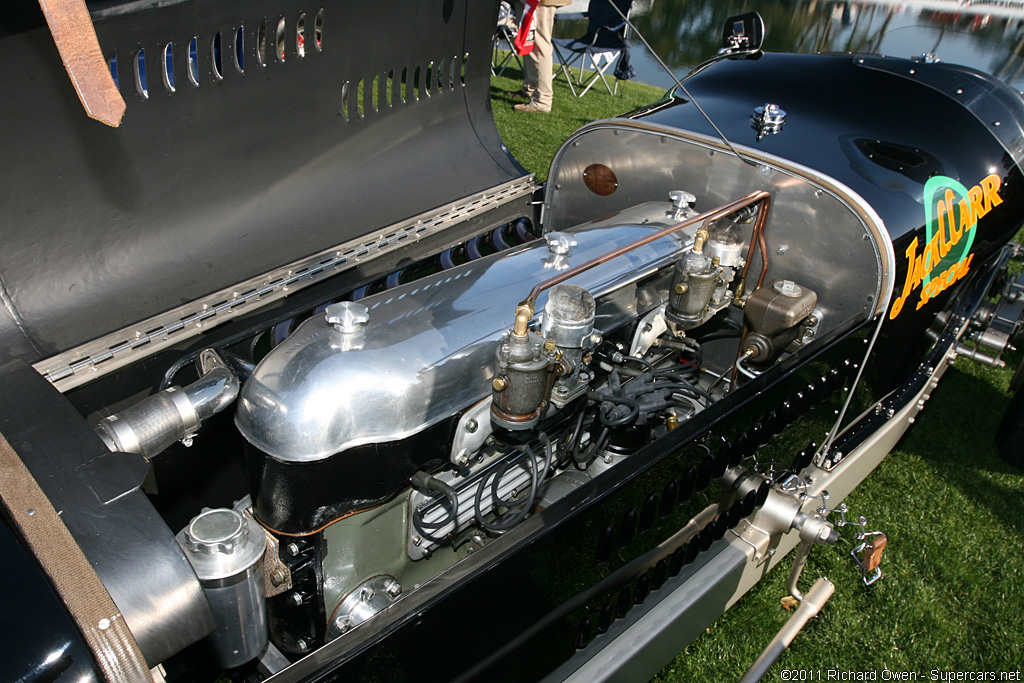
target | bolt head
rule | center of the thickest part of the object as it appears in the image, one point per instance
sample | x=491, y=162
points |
x=472, y=426
x=498, y=384
x=296, y=599
x=293, y=549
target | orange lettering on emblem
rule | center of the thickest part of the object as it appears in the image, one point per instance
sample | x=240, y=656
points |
x=990, y=185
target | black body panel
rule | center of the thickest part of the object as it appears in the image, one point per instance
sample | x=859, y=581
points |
x=98, y=495
x=212, y=183
x=842, y=120
x=34, y=622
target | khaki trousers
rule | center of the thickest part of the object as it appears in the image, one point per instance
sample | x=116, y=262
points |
x=538, y=65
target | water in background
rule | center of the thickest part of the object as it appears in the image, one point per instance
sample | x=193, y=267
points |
x=987, y=36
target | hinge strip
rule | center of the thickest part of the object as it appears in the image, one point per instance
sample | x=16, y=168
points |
x=92, y=360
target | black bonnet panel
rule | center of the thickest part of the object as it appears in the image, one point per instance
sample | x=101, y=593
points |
x=257, y=132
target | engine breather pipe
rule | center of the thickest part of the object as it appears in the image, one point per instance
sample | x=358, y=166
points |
x=174, y=414
x=812, y=603
x=526, y=308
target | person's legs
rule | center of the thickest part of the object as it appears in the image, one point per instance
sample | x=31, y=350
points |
x=542, y=53
x=537, y=66
x=529, y=75
x=530, y=71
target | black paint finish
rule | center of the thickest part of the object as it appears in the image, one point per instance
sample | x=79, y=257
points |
x=243, y=172
x=40, y=642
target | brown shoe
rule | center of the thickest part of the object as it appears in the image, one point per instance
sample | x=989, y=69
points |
x=532, y=108
x=517, y=95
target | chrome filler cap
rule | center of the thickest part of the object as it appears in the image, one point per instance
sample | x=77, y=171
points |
x=347, y=317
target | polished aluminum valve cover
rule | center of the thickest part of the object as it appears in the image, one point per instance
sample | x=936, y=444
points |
x=426, y=351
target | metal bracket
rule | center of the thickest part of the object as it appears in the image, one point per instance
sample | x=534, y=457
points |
x=867, y=554
x=757, y=538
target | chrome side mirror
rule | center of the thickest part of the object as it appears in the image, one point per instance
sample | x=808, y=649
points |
x=742, y=33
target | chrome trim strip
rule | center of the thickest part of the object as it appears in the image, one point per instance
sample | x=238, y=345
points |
x=94, y=359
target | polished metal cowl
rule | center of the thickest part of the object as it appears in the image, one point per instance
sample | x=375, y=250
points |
x=426, y=350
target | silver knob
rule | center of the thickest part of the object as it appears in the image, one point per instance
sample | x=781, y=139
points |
x=681, y=205
x=787, y=288
x=559, y=243
x=347, y=317
x=216, y=531
x=681, y=199
x=769, y=118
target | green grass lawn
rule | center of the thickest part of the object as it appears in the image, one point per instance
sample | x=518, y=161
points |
x=952, y=595
x=533, y=138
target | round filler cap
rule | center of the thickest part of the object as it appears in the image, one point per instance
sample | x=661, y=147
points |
x=221, y=543
x=216, y=531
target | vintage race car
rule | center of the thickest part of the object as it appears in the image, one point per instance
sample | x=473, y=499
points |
x=305, y=378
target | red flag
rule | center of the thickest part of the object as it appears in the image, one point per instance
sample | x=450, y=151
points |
x=524, y=38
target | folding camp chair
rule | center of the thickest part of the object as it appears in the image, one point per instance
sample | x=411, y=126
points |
x=602, y=44
x=504, y=39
